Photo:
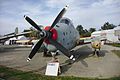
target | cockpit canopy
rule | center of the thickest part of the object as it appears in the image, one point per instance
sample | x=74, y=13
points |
x=66, y=21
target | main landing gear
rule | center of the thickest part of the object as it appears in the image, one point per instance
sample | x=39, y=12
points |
x=97, y=52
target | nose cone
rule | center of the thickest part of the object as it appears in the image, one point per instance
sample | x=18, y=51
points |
x=96, y=44
x=54, y=34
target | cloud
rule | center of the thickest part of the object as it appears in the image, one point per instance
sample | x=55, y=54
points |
x=89, y=13
x=97, y=13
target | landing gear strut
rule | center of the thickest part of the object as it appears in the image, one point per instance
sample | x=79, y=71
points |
x=46, y=53
x=96, y=52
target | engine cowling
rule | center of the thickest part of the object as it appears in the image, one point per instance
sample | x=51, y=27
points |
x=54, y=34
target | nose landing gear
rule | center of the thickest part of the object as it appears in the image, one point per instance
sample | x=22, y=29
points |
x=97, y=52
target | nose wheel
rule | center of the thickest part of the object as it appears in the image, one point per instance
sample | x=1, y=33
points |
x=97, y=52
x=46, y=53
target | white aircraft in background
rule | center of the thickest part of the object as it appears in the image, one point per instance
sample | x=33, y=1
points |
x=11, y=35
x=96, y=43
x=111, y=35
x=98, y=38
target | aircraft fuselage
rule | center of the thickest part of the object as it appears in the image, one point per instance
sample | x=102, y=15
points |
x=67, y=35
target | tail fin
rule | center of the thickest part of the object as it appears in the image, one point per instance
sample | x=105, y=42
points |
x=16, y=30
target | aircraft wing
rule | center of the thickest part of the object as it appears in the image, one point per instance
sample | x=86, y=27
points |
x=88, y=40
x=11, y=36
x=85, y=40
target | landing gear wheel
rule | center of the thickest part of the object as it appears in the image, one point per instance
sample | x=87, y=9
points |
x=97, y=52
x=45, y=52
x=94, y=52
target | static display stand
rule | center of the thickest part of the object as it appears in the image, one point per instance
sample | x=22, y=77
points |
x=52, y=69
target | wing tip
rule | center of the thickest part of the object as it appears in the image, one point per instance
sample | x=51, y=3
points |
x=28, y=59
x=66, y=7
x=25, y=16
x=72, y=58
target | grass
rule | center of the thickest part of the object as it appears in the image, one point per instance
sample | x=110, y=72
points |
x=12, y=74
x=115, y=44
x=117, y=52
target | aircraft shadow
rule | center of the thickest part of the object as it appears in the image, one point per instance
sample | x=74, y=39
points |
x=65, y=66
x=86, y=52
x=102, y=53
x=81, y=54
x=2, y=50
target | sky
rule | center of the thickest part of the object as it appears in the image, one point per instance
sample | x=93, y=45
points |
x=88, y=13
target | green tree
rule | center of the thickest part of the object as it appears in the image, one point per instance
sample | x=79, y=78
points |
x=107, y=26
x=92, y=30
x=34, y=33
x=80, y=29
x=86, y=33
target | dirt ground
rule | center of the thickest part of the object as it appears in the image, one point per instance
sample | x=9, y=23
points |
x=107, y=65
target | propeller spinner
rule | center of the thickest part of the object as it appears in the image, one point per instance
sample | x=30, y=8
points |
x=47, y=34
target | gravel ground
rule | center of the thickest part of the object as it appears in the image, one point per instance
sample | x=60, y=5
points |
x=107, y=65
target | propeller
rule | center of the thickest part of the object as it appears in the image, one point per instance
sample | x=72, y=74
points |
x=32, y=22
x=35, y=49
x=65, y=51
x=60, y=47
x=47, y=35
x=58, y=17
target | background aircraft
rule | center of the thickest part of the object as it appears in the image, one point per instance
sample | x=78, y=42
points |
x=96, y=43
x=111, y=35
x=11, y=35
x=14, y=33
x=98, y=38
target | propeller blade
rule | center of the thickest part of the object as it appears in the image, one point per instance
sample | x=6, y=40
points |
x=35, y=49
x=60, y=47
x=58, y=17
x=32, y=22
x=65, y=51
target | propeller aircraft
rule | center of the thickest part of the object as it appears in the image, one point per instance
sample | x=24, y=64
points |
x=60, y=36
x=11, y=35
x=96, y=44
x=14, y=33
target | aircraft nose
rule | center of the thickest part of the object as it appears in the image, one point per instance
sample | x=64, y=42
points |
x=97, y=45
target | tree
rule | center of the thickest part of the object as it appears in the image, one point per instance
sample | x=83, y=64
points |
x=84, y=32
x=34, y=33
x=107, y=26
x=80, y=29
x=92, y=30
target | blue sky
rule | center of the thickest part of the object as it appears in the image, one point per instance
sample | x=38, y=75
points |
x=89, y=13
